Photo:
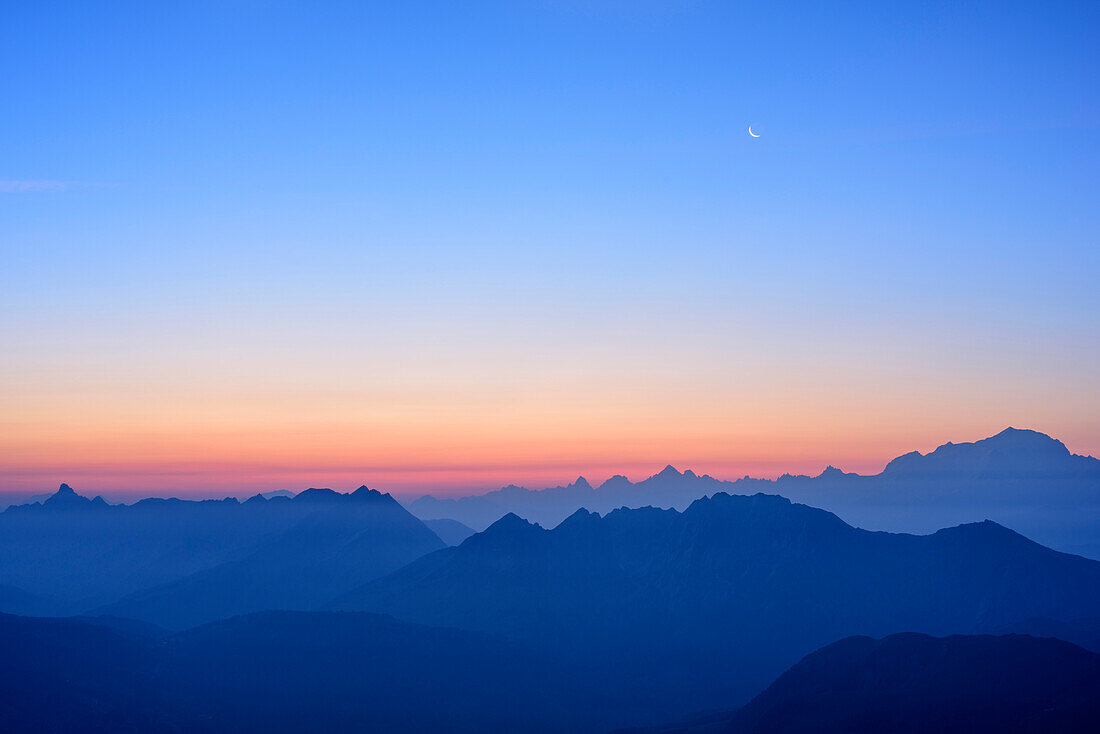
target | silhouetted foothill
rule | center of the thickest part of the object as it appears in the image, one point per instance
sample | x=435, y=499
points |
x=282, y=672
x=695, y=608
x=910, y=683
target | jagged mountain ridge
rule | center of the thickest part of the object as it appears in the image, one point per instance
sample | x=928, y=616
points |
x=548, y=507
x=1021, y=478
x=352, y=539
x=661, y=596
x=82, y=554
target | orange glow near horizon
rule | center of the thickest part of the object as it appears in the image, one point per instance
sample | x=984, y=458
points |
x=288, y=405
x=221, y=448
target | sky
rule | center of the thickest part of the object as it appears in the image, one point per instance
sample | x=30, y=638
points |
x=442, y=247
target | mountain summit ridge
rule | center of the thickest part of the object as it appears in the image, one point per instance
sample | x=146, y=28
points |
x=1015, y=449
x=1020, y=477
x=757, y=578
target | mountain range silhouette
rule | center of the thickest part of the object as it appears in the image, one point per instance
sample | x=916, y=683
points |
x=324, y=671
x=1021, y=478
x=346, y=541
x=345, y=611
x=666, y=598
x=74, y=555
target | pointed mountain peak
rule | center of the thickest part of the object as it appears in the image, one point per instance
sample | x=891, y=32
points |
x=616, y=482
x=577, y=519
x=365, y=493
x=1026, y=439
x=984, y=528
x=65, y=497
x=504, y=533
x=510, y=524
x=277, y=494
x=668, y=472
x=581, y=483
x=510, y=520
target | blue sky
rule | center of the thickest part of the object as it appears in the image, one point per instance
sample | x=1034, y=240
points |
x=522, y=204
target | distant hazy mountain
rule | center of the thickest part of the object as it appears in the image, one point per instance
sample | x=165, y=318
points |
x=277, y=493
x=16, y=601
x=11, y=500
x=83, y=553
x=282, y=672
x=77, y=553
x=703, y=607
x=451, y=532
x=548, y=507
x=1022, y=479
x=1081, y=632
x=347, y=540
x=1011, y=453
x=911, y=684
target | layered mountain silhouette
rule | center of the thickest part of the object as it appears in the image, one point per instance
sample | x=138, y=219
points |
x=621, y=618
x=703, y=607
x=1081, y=632
x=17, y=601
x=282, y=672
x=1021, y=478
x=451, y=532
x=14, y=500
x=310, y=671
x=71, y=554
x=915, y=683
x=548, y=507
x=347, y=540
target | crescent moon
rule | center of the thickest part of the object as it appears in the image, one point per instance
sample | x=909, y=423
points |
x=752, y=133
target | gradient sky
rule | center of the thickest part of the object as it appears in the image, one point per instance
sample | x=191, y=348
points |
x=445, y=246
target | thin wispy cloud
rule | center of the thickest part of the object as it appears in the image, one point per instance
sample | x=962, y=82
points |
x=22, y=187
x=18, y=186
